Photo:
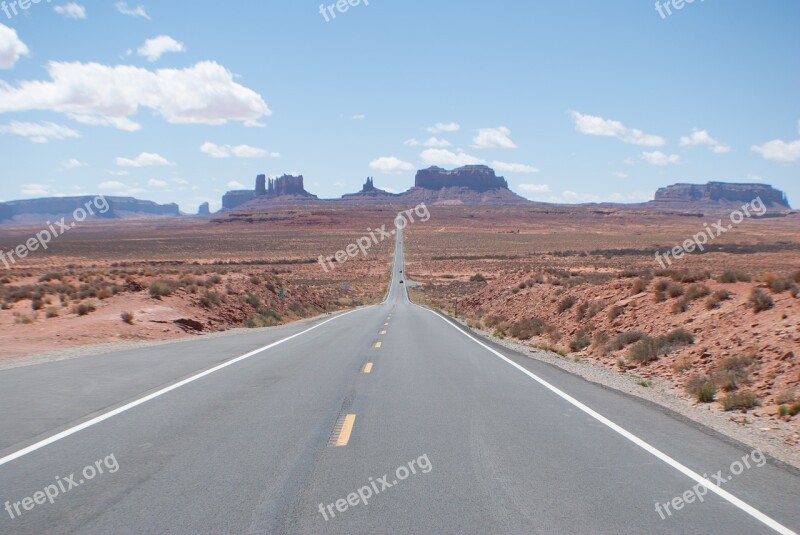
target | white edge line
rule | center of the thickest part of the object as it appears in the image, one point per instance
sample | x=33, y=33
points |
x=149, y=397
x=752, y=511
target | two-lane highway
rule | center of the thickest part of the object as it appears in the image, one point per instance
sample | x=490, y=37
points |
x=386, y=419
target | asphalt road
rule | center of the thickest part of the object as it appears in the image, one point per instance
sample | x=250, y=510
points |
x=283, y=431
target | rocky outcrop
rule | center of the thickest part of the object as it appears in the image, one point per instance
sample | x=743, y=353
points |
x=721, y=193
x=38, y=210
x=287, y=185
x=474, y=177
x=204, y=209
x=235, y=198
x=370, y=194
x=470, y=185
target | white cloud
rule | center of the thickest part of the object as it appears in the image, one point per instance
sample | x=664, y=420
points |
x=181, y=181
x=446, y=158
x=436, y=142
x=779, y=151
x=235, y=151
x=755, y=178
x=112, y=185
x=11, y=47
x=506, y=167
x=493, y=138
x=234, y=184
x=145, y=159
x=135, y=12
x=38, y=132
x=93, y=93
x=534, y=188
x=621, y=175
x=359, y=117
x=391, y=164
x=597, y=126
x=156, y=47
x=660, y=159
x=156, y=183
x=34, y=189
x=71, y=10
x=702, y=137
x=72, y=163
x=121, y=172
x=411, y=142
x=444, y=127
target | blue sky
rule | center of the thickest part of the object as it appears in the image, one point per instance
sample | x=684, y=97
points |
x=572, y=101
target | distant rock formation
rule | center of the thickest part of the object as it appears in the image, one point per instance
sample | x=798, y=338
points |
x=284, y=189
x=474, y=177
x=204, y=209
x=370, y=194
x=471, y=185
x=721, y=193
x=54, y=208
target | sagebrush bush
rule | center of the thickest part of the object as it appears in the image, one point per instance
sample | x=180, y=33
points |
x=161, y=288
x=567, y=303
x=740, y=401
x=760, y=300
x=701, y=388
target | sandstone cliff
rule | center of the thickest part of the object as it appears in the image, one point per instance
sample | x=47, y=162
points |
x=721, y=193
x=38, y=210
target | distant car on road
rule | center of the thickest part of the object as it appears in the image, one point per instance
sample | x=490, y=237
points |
x=401, y=282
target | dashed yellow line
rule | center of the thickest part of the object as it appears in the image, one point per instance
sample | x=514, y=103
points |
x=367, y=368
x=383, y=332
x=386, y=324
x=378, y=345
x=347, y=430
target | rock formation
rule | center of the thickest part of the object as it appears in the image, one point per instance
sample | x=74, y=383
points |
x=284, y=189
x=38, y=210
x=204, y=209
x=472, y=185
x=475, y=177
x=721, y=193
x=370, y=194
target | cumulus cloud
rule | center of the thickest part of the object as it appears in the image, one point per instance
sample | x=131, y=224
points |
x=145, y=159
x=446, y=158
x=72, y=163
x=592, y=125
x=390, y=164
x=436, y=142
x=71, y=10
x=235, y=151
x=493, y=138
x=156, y=183
x=11, y=47
x=154, y=48
x=38, y=132
x=660, y=159
x=778, y=150
x=444, y=127
x=505, y=167
x=93, y=93
x=135, y=12
x=702, y=137
x=411, y=142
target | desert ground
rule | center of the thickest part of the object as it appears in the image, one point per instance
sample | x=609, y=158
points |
x=722, y=327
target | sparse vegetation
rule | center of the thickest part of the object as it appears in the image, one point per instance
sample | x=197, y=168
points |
x=760, y=301
x=649, y=349
x=127, y=317
x=701, y=388
x=566, y=303
x=161, y=288
x=581, y=341
x=740, y=401
x=733, y=276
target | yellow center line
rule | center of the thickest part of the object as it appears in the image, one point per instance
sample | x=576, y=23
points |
x=378, y=345
x=347, y=430
x=368, y=367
